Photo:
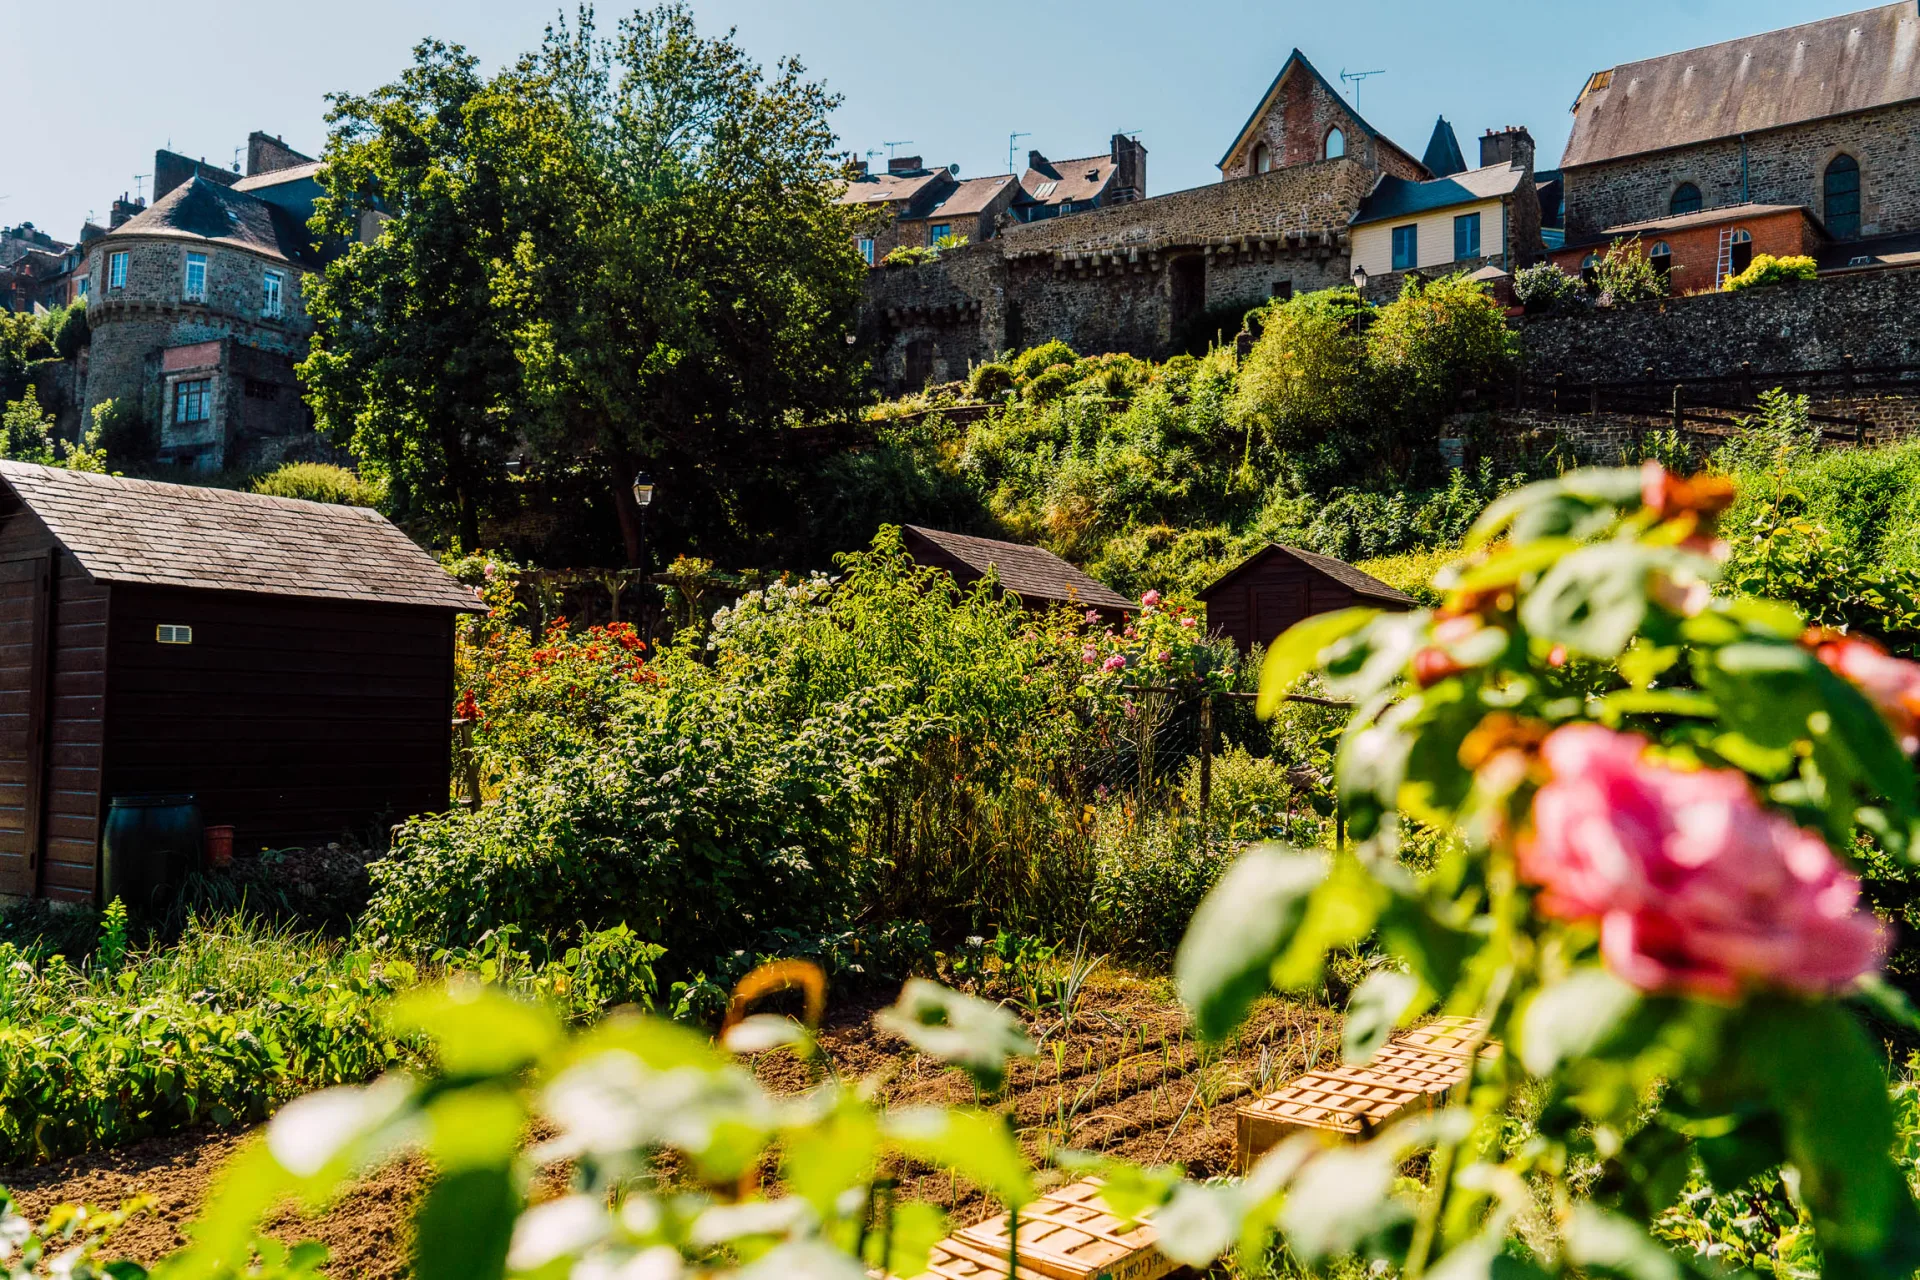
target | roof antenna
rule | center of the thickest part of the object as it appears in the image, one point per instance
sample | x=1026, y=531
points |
x=1011, y=139
x=904, y=142
x=139, y=183
x=1356, y=77
x=236, y=158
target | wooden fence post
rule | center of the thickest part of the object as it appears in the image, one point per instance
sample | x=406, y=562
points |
x=469, y=765
x=1206, y=760
x=1679, y=409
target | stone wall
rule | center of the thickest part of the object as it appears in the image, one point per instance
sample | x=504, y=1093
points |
x=1295, y=127
x=1806, y=325
x=1783, y=166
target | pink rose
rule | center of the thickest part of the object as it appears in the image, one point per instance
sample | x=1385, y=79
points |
x=1697, y=888
x=1187, y=622
x=1114, y=663
x=1891, y=684
x=1089, y=655
x=1092, y=617
x=1150, y=600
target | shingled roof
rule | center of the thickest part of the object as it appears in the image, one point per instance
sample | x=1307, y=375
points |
x=1393, y=197
x=180, y=535
x=1836, y=66
x=201, y=210
x=1029, y=572
x=1361, y=584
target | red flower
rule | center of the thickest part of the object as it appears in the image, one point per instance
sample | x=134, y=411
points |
x=1891, y=684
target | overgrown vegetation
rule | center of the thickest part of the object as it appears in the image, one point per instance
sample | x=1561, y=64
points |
x=321, y=482
x=1765, y=269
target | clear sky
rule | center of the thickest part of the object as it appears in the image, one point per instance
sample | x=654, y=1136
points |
x=90, y=91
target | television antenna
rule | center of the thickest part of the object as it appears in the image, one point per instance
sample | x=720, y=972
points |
x=236, y=158
x=1356, y=77
x=139, y=182
x=1011, y=139
x=904, y=142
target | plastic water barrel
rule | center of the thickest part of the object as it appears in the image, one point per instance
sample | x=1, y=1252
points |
x=151, y=843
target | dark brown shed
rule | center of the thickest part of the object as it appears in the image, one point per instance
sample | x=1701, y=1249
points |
x=289, y=663
x=1278, y=586
x=1040, y=578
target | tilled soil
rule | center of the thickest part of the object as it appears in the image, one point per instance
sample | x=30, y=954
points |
x=1124, y=1077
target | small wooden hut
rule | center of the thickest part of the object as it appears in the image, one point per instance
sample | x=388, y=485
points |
x=288, y=663
x=1278, y=586
x=1040, y=578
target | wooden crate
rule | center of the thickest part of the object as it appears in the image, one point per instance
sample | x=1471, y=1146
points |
x=1433, y=1074
x=1069, y=1235
x=953, y=1259
x=1340, y=1103
x=1453, y=1037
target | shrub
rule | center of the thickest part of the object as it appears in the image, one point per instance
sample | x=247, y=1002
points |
x=909, y=255
x=1308, y=377
x=1437, y=342
x=1765, y=269
x=990, y=381
x=1544, y=285
x=1050, y=385
x=321, y=482
x=1034, y=361
x=1624, y=274
x=950, y=242
x=66, y=329
x=125, y=433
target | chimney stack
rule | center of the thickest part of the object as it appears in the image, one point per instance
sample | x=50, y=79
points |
x=1512, y=145
x=1129, y=170
x=904, y=164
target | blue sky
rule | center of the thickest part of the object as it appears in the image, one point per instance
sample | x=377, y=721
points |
x=101, y=86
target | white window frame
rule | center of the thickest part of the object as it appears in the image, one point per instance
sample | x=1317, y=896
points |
x=187, y=290
x=117, y=269
x=273, y=288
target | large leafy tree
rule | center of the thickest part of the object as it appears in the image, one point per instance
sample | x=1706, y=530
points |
x=413, y=362
x=700, y=295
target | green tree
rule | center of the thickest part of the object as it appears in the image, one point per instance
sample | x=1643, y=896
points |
x=697, y=288
x=1435, y=343
x=1308, y=374
x=413, y=362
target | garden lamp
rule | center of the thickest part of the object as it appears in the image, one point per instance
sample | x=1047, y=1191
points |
x=643, y=490
x=1360, y=277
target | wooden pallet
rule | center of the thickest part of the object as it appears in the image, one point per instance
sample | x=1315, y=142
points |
x=953, y=1259
x=1069, y=1235
x=1453, y=1037
x=1339, y=1103
x=1433, y=1074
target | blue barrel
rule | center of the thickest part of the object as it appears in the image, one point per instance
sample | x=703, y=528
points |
x=151, y=843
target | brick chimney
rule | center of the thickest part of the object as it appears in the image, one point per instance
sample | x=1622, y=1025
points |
x=267, y=153
x=1512, y=145
x=1129, y=170
x=123, y=209
x=904, y=164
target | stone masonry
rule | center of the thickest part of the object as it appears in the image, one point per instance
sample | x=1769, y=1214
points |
x=1782, y=166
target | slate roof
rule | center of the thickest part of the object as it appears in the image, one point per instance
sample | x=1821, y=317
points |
x=1029, y=572
x=198, y=209
x=1297, y=58
x=910, y=187
x=1361, y=584
x=180, y=535
x=1062, y=181
x=971, y=196
x=276, y=177
x=1443, y=158
x=1894, y=250
x=1393, y=197
x=1835, y=66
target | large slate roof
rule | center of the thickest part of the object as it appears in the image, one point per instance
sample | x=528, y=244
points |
x=202, y=210
x=1835, y=66
x=181, y=535
x=1394, y=197
x=1029, y=572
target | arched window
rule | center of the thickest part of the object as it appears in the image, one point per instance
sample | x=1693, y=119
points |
x=1686, y=199
x=1589, y=268
x=1660, y=257
x=1740, y=251
x=1336, y=144
x=1842, y=190
x=1263, y=158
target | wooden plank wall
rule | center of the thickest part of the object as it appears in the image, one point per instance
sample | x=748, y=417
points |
x=18, y=581
x=291, y=719
x=1271, y=596
x=76, y=723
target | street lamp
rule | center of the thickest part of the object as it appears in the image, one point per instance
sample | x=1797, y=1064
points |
x=1360, y=277
x=643, y=491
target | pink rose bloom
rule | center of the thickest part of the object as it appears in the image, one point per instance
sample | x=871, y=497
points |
x=1114, y=663
x=1186, y=622
x=1891, y=684
x=1162, y=656
x=1150, y=600
x=1697, y=888
x=1089, y=654
x=1092, y=616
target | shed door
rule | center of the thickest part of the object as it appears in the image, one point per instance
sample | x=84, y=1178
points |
x=24, y=588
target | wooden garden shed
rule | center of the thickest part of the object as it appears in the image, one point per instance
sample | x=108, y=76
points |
x=1278, y=586
x=288, y=663
x=1040, y=578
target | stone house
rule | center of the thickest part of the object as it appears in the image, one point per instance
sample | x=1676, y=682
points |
x=896, y=203
x=1822, y=116
x=1051, y=188
x=197, y=310
x=1465, y=221
x=1301, y=119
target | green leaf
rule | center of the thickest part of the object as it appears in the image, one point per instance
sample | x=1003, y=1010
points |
x=1199, y=1223
x=463, y=1230
x=1435, y=951
x=917, y=1226
x=1655, y=702
x=1297, y=651
x=824, y=1158
x=1612, y=1245
x=1593, y=600
x=1511, y=564
x=1342, y=1197
x=1380, y=1005
x=1572, y=1017
x=1341, y=913
x=1241, y=928
x=972, y=1034
x=477, y=1030
x=975, y=1144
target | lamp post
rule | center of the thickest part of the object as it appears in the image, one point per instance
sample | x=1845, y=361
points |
x=1360, y=277
x=643, y=498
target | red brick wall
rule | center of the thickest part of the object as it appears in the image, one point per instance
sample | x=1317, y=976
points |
x=1696, y=250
